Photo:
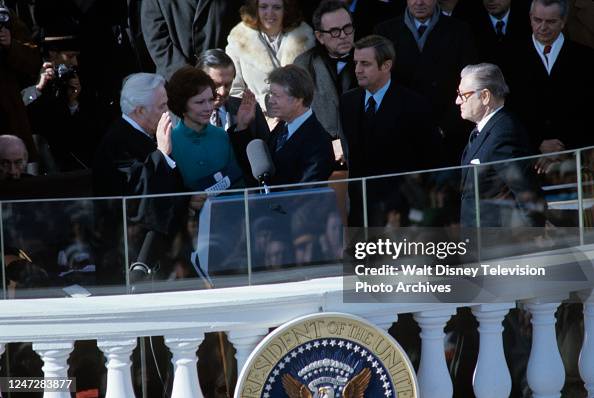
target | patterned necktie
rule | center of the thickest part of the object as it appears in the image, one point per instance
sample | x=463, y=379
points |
x=499, y=28
x=215, y=118
x=421, y=29
x=283, y=137
x=546, y=51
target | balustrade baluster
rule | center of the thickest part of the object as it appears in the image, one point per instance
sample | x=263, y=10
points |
x=545, y=373
x=491, y=375
x=55, y=363
x=244, y=342
x=119, y=379
x=433, y=375
x=382, y=321
x=184, y=347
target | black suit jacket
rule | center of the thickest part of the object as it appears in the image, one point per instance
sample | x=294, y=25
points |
x=500, y=184
x=401, y=138
x=307, y=156
x=435, y=71
x=499, y=50
x=552, y=106
x=127, y=162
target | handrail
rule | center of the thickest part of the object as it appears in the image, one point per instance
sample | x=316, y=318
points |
x=306, y=184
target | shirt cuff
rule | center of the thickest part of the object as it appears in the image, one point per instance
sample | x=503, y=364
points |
x=170, y=161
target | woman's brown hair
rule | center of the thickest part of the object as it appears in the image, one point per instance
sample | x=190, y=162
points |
x=291, y=15
x=185, y=83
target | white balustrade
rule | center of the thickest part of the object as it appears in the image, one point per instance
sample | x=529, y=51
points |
x=586, y=361
x=55, y=363
x=246, y=313
x=545, y=373
x=119, y=381
x=184, y=347
x=433, y=375
x=491, y=375
x=244, y=342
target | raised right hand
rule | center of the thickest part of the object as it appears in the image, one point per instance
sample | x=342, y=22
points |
x=164, y=134
x=47, y=75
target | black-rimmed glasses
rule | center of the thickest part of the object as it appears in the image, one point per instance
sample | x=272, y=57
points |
x=348, y=29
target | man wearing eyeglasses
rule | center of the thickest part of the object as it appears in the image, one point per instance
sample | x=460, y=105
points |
x=330, y=64
x=497, y=136
x=13, y=157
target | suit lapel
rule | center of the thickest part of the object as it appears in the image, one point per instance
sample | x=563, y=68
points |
x=483, y=135
x=390, y=107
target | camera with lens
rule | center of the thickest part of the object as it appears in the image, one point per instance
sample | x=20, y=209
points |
x=4, y=18
x=62, y=74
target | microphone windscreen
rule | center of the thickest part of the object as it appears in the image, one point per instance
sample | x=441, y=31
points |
x=259, y=158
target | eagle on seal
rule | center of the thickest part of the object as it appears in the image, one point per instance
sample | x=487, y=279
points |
x=355, y=388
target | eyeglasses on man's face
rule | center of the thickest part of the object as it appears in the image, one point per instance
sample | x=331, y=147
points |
x=463, y=97
x=348, y=29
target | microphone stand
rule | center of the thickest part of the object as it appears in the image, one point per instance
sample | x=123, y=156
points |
x=263, y=180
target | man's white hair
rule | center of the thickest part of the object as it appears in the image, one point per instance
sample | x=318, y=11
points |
x=10, y=141
x=139, y=90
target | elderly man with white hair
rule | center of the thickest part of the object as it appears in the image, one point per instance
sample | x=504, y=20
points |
x=133, y=157
x=13, y=157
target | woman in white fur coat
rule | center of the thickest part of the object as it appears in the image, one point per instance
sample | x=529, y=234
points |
x=270, y=35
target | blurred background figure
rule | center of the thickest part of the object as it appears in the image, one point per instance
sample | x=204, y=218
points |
x=13, y=157
x=272, y=34
x=176, y=33
x=61, y=114
x=19, y=64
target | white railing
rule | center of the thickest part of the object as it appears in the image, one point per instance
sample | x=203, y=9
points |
x=245, y=314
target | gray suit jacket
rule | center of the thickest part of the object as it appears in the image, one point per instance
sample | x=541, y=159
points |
x=328, y=87
x=177, y=31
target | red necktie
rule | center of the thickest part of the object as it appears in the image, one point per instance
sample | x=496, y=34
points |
x=546, y=52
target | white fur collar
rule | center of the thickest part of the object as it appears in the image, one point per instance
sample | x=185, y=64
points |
x=293, y=43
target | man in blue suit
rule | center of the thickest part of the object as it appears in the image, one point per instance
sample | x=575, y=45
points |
x=301, y=149
x=496, y=137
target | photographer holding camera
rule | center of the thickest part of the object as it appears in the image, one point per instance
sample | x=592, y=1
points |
x=55, y=110
x=19, y=63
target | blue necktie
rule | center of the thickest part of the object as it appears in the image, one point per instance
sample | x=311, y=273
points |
x=282, y=139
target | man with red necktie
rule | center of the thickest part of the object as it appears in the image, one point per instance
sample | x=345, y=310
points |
x=550, y=74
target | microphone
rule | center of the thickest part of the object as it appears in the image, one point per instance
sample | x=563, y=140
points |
x=140, y=270
x=261, y=162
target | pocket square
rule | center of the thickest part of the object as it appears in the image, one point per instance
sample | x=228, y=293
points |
x=475, y=161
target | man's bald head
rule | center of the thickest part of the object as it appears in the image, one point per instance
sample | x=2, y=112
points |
x=13, y=157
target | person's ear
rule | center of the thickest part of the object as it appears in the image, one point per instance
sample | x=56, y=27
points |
x=319, y=36
x=387, y=65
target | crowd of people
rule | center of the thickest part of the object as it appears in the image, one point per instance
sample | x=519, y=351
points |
x=332, y=87
x=365, y=87
x=61, y=102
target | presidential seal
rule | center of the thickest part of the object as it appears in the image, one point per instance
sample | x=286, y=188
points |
x=327, y=355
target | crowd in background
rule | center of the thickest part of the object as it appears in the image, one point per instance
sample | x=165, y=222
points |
x=158, y=96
